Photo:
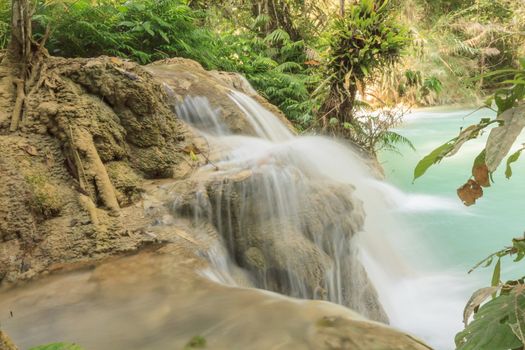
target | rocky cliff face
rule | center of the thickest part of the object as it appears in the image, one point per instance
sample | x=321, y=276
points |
x=93, y=131
x=87, y=176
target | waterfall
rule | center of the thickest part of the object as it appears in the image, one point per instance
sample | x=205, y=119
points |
x=305, y=217
x=279, y=215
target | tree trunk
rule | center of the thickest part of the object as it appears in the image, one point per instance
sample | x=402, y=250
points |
x=19, y=49
x=19, y=55
x=342, y=8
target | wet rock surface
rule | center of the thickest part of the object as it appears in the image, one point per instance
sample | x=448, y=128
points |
x=183, y=77
x=155, y=300
x=294, y=234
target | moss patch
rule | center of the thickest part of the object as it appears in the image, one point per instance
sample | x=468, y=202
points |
x=44, y=197
x=127, y=183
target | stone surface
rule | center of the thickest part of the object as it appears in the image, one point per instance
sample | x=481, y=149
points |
x=6, y=343
x=154, y=300
x=185, y=77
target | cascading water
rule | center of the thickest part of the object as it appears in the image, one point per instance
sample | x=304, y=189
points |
x=291, y=210
x=279, y=216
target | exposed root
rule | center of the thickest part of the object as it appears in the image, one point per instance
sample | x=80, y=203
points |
x=83, y=143
x=19, y=104
x=90, y=207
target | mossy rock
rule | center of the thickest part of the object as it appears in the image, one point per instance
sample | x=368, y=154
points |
x=6, y=343
x=127, y=183
x=44, y=196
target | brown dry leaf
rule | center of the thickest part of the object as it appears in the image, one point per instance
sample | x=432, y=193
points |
x=476, y=300
x=470, y=192
x=31, y=150
x=481, y=174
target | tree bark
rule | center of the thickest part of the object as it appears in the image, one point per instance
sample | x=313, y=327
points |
x=19, y=48
x=19, y=54
x=342, y=8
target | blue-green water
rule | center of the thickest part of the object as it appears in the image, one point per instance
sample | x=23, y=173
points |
x=458, y=237
x=441, y=238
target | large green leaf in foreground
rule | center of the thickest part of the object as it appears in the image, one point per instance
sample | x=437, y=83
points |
x=58, y=346
x=497, y=325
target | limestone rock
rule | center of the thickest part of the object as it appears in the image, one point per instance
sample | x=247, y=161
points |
x=184, y=77
x=6, y=343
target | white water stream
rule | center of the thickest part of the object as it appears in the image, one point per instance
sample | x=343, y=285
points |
x=417, y=299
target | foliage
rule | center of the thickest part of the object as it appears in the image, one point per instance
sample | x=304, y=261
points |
x=5, y=30
x=510, y=121
x=504, y=315
x=360, y=44
x=144, y=30
x=499, y=323
x=372, y=130
x=455, y=40
x=57, y=346
x=275, y=65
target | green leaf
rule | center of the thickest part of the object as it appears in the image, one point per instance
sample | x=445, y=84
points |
x=488, y=102
x=391, y=138
x=488, y=262
x=433, y=158
x=127, y=24
x=164, y=36
x=193, y=156
x=496, y=274
x=277, y=36
x=495, y=324
x=519, y=245
x=197, y=342
x=288, y=67
x=512, y=159
x=147, y=28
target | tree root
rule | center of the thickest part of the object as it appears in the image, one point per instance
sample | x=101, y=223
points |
x=17, y=111
x=88, y=205
x=82, y=142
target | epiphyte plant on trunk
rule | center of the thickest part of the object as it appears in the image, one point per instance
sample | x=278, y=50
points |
x=362, y=41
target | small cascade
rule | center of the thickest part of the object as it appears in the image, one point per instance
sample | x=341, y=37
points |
x=303, y=216
x=197, y=111
x=279, y=215
x=265, y=124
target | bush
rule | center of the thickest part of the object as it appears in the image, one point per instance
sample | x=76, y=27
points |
x=144, y=31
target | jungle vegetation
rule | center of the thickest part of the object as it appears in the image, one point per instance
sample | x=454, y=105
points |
x=329, y=65
x=326, y=64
